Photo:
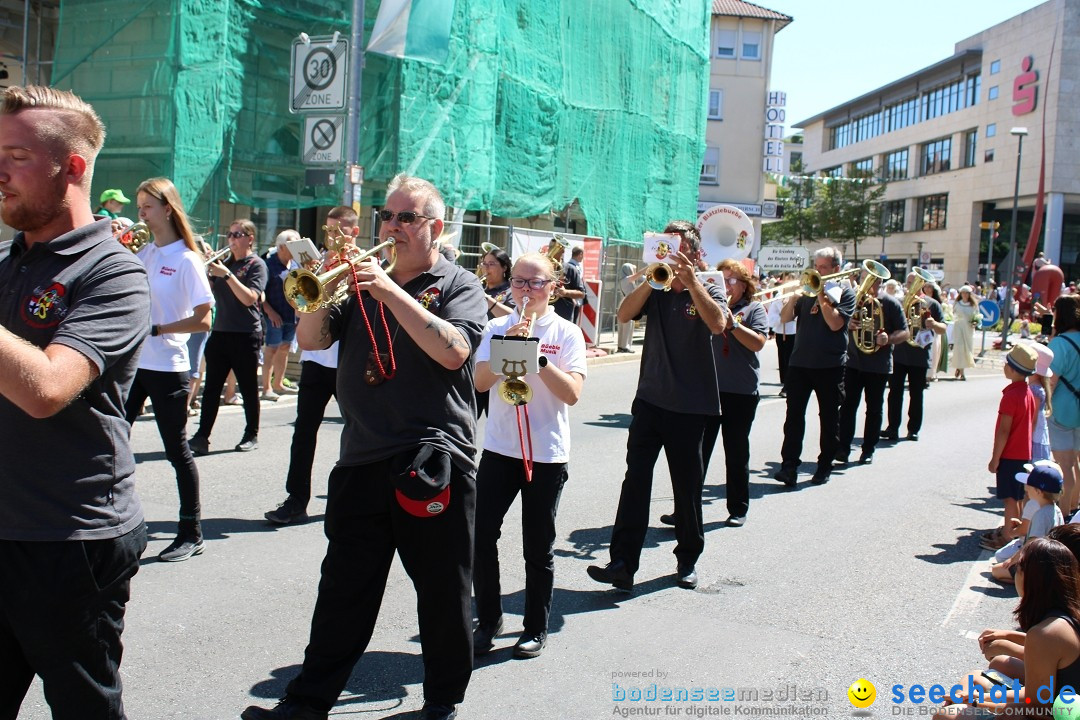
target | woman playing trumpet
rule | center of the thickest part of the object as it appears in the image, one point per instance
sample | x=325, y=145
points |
x=532, y=462
x=180, y=302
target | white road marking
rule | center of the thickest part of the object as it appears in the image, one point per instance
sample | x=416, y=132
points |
x=969, y=597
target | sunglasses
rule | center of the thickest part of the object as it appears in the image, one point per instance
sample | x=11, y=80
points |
x=535, y=283
x=732, y=280
x=405, y=217
x=238, y=234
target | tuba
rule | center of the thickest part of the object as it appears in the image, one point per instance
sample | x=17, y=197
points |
x=308, y=292
x=868, y=313
x=133, y=237
x=915, y=305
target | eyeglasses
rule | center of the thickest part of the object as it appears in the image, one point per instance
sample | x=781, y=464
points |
x=239, y=234
x=405, y=217
x=490, y=264
x=535, y=283
x=731, y=280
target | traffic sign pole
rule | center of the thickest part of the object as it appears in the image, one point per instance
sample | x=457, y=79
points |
x=352, y=118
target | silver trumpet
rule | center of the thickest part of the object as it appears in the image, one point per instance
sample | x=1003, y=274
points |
x=218, y=256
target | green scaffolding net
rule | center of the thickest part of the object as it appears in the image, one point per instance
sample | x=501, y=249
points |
x=539, y=104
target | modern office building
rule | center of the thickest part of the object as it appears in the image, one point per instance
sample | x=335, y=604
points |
x=745, y=127
x=947, y=138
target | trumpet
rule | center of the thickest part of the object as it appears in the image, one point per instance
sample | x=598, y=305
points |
x=217, y=256
x=514, y=390
x=139, y=235
x=659, y=276
x=914, y=304
x=868, y=312
x=308, y=292
x=809, y=284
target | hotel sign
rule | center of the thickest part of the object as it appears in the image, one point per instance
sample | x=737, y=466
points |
x=775, y=115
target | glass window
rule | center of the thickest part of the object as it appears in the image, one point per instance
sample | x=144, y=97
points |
x=936, y=156
x=710, y=166
x=970, y=138
x=864, y=167
x=988, y=156
x=992, y=93
x=716, y=104
x=932, y=212
x=751, y=45
x=896, y=165
x=991, y=130
x=725, y=43
x=835, y=172
x=893, y=221
x=995, y=67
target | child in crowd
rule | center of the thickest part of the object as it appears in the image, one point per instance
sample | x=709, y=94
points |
x=1039, y=382
x=1012, y=435
x=1042, y=483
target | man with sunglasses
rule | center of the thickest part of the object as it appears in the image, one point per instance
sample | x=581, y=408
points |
x=406, y=477
x=677, y=401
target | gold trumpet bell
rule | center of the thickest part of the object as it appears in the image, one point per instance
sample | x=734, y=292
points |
x=138, y=236
x=515, y=391
x=659, y=276
x=308, y=292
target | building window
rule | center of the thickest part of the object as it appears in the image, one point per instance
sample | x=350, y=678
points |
x=901, y=114
x=896, y=165
x=995, y=67
x=970, y=137
x=833, y=172
x=796, y=161
x=991, y=130
x=716, y=104
x=710, y=167
x=949, y=98
x=936, y=156
x=988, y=156
x=751, y=45
x=932, y=212
x=863, y=168
x=725, y=43
x=992, y=93
x=893, y=220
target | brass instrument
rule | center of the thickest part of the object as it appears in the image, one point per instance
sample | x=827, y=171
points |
x=335, y=239
x=218, y=256
x=809, y=284
x=915, y=304
x=139, y=234
x=514, y=390
x=659, y=276
x=307, y=292
x=556, y=249
x=868, y=313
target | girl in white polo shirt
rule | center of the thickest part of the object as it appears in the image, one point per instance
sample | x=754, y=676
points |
x=180, y=302
x=526, y=454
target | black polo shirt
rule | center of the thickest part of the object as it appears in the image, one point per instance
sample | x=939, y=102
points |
x=879, y=361
x=816, y=344
x=69, y=476
x=232, y=315
x=738, y=369
x=423, y=402
x=912, y=355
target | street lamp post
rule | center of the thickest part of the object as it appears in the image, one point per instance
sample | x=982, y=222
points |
x=1006, y=311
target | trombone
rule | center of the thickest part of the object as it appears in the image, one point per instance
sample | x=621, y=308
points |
x=809, y=284
x=308, y=292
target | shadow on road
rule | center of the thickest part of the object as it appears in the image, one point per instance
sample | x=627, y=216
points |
x=614, y=420
x=965, y=549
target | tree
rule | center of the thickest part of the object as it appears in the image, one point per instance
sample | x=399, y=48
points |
x=849, y=209
x=797, y=197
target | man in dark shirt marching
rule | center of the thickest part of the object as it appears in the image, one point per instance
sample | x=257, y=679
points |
x=911, y=360
x=73, y=315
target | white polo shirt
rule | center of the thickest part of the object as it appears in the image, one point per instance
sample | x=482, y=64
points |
x=326, y=358
x=178, y=284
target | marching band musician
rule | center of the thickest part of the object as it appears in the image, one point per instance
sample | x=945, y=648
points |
x=677, y=398
x=868, y=374
x=405, y=479
x=496, y=276
x=910, y=362
x=817, y=366
x=534, y=465
x=180, y=302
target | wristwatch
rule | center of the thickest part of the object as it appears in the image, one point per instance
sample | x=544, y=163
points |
x=543, y=361
x=155, y=331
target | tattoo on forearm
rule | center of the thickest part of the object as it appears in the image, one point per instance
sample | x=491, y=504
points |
x=447, y=333
x=324, y=332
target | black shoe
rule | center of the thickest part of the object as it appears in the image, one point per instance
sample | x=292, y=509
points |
x=288, y=512
x=687, y=577
x=199, y=445
x=668, y=519
x=434, y=711
x=889, y=435
x=913, y=436
x=867, y=458
x=530, y=646
x=181, y=549
x=842, y=458
x=483, y=637
x=788, y=477
x=820, y=478
x=736, y=521
x=286, y=709
x=614, y=573
x=248, y=444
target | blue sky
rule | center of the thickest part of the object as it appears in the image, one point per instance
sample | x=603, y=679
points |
x=836, y=50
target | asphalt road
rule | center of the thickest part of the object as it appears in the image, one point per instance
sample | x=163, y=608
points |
x=876, y=575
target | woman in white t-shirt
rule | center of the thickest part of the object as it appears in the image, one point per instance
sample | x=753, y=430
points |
x=526, y=450
x=180, y=302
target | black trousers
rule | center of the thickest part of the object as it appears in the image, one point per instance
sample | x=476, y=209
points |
x=168, y=391
x=784, y=345
x=828, y=385
x=498, y=482
x=681, y=436
x=61, y=615
x=856, y=384
x=735, y=423
x=318, y=384
x=238, y=352
x=364, y=526
x=916, y=381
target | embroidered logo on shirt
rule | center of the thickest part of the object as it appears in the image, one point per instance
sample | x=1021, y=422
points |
x=691, y=311
x=430, y=299
x=45, y=308
x=549, y=349
x=167, y=271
